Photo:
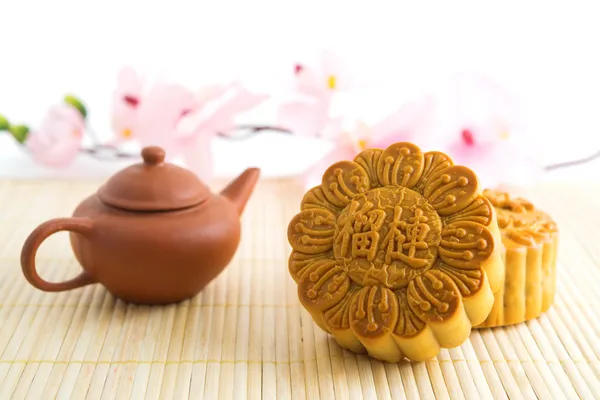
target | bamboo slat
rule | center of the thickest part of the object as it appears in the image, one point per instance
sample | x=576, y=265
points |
x=246, y=335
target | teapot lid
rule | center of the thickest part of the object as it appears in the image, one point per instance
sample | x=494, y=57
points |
x=153, y=185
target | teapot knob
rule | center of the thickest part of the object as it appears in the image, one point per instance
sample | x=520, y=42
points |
x=153, y=155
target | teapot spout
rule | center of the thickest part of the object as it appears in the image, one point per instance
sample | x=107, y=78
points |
x=239, y=190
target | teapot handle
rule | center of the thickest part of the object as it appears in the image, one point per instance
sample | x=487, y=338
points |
x=33, y=242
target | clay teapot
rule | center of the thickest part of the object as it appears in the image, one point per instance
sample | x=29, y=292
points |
x=152, y=234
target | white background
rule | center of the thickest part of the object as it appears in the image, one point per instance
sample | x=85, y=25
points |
x=546, y=54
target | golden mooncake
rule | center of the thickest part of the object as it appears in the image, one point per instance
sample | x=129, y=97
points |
x=397, y=253
x=530, y=239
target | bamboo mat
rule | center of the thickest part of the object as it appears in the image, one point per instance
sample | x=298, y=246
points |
x=246, y=336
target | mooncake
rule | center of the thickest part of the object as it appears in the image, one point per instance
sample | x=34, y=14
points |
x=397, y=253
x=530, y=241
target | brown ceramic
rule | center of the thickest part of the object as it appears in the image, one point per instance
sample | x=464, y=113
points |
x=153, y=234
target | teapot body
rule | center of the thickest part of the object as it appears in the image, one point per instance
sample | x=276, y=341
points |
x=152, y=234
x=156, y=257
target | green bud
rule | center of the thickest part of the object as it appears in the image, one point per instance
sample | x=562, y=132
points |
x=19, y=132
x=75, y=102
x=4, y=124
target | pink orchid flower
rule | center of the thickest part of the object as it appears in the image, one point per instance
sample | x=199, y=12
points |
x=308, y=110
x=492, y=154
x=126, y=99
x=185, y=123
x=159, y=112
x=220, y=106
x=406, y=124
x=58, y=139
x=486, y=135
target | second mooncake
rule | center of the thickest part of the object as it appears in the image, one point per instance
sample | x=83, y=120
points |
x=530, y=239
x=396, y=253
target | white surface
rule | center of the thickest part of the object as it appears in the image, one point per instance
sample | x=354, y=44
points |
x=543, y=54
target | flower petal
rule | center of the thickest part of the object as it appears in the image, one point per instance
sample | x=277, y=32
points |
x=368, y=159
x=315, y=198
x=310, y=80
x=334, y=131
x=57, y=141
x=211, y=92
x=466, y=244
x=433, y=296
x=452, y=190
x=304, y=118
x=373, y=317
x=198, y=157
x=129, y=81
x=57, y=155
x=435, y=299
x=313, y=175
x=218, y=114
x=413, y=336
x=322, y=286
x=489, y=157
x=238, y=98
x=401, y=164
x=159, y=114
x=468, y=281
x=435, y=163
x=408, y=323
x=344, y=180
x=126, y=98
x=475, y=289
x=330, y=62
x=407, y=122
x=311, y=231
x=479, y=211
x=374, y=311
x=337, y=321
x=299, y=263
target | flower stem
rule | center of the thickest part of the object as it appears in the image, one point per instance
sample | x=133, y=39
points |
x=572, y=163
x=93, y=135
x=253, y=130
x=98, y=150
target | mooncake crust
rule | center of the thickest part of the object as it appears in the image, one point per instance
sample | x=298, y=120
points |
x=530, y=245
x=397, y=253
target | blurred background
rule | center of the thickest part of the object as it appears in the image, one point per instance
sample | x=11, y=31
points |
x=540, y=56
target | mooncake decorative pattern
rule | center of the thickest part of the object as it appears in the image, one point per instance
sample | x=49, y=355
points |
x=530, y=241
x=396, y=253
